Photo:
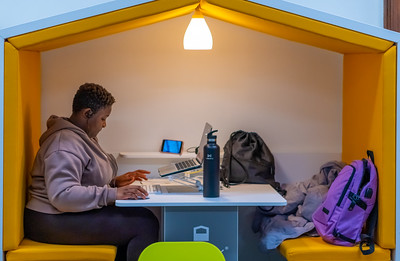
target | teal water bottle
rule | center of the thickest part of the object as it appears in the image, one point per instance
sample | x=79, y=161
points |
x=211, y=167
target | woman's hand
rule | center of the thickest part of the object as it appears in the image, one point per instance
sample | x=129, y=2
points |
x=130, y=177
x=131, y=192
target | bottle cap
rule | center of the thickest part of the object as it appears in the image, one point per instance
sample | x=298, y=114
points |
x=210, y=135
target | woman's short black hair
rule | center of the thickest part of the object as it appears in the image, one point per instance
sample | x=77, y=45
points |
x=93, y=96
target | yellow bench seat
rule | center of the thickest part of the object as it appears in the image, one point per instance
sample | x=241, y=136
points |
x=30, y=250
x=315, y=249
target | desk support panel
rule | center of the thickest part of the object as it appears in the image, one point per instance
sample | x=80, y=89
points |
x=217, y=225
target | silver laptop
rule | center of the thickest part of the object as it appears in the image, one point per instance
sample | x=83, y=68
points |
x=187, y=164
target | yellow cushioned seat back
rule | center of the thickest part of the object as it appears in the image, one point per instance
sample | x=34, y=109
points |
x=21, y=131
x=369, y=118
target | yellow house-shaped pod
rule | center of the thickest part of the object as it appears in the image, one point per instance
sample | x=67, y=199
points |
x=369, y=89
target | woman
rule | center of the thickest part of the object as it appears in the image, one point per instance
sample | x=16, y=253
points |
x=74, y=184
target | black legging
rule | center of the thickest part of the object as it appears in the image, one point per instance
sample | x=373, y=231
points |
x=130, y=229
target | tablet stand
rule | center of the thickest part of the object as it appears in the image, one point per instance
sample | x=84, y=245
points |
x=192, y=178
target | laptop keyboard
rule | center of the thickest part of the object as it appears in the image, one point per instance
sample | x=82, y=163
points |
x=185, y=164
x=152, y=188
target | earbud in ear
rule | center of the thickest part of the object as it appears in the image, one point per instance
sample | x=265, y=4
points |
x=89, y=114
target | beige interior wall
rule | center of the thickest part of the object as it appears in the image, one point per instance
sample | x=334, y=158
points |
x=289, y=93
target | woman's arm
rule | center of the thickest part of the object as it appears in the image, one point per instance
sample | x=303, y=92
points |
x=63, y=173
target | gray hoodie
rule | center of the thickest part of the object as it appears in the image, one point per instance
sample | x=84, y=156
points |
x=71, y=172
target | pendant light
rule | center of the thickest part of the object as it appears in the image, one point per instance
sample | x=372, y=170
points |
x=197, y=35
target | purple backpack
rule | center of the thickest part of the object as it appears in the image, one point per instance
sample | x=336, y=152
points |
x=348, y=204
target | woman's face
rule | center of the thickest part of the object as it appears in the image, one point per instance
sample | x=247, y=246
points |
x=98, y=121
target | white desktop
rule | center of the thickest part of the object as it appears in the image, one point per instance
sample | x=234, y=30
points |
x=236, y=195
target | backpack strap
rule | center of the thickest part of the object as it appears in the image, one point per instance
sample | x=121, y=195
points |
x=343, y=237
x=367, y=244
x=227, y=172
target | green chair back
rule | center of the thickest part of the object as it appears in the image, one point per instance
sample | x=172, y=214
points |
x=182, y=251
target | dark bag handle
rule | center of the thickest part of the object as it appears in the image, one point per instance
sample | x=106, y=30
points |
x=370, y=155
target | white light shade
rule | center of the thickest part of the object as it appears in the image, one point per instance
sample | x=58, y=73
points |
x=197, y=35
